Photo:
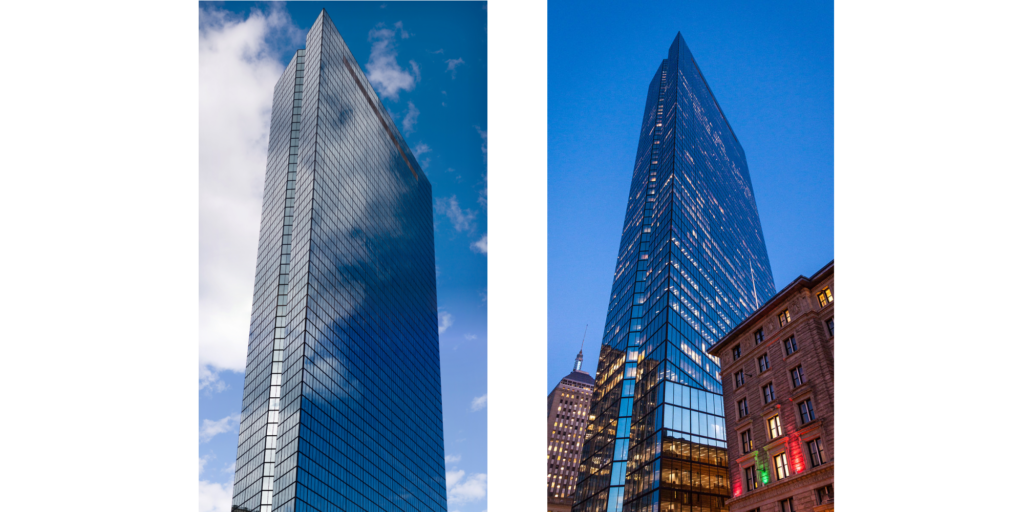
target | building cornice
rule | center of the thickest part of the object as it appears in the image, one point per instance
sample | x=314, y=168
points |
x=779, y=298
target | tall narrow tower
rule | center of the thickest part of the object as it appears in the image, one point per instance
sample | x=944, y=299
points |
x=692, y=265
x=568, y=407
x=342, y=400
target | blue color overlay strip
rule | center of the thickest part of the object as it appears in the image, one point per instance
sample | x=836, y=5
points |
x=930, y=97
x=515, y=95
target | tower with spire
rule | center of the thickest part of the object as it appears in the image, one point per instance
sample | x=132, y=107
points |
x=568, y=417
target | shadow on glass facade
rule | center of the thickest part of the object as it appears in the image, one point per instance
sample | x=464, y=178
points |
x=692, y=265
x=342, y=400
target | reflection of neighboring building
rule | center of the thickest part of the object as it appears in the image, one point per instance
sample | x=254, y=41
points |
x=778, y=373
x=568, y=407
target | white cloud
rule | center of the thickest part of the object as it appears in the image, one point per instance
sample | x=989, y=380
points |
x=479, y=402
x=483, y=197
x=401, y=31
x=483, y=135
x=411, y=116
x=212, y=428
x=444, y=321
x=462, y=489
x=382, y=70
x=237, y=72
x=470, y=337
x=480, y=246
x=418, y=151
x=461, y=219
x=214, y=497
x=453, y=64
x=209, y=379
x=452, y=458
x=202, y=463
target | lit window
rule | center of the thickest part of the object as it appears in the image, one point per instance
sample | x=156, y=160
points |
x=817, y=452
x=831, y=327
x=736, y=352
x=739, y=378
x=758, y=336
x=746, y=441
x=806, y=411
x=783, y=318
x=798, y=376
x=774, y=427
x=763, y=364
x=825, y=297
x=742, y=407
x=752, y=478
x=781, y=466
x=791, y=345
x=787, y=505
x=769, y=393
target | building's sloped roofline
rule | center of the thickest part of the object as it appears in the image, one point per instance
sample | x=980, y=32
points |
x=581, y=377
x=756, y=316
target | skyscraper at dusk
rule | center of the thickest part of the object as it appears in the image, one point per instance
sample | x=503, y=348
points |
x=568, y=407
x=342, y=399
x=692, y=265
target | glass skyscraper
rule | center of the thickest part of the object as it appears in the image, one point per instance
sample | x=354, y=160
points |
x=342, y=400
x=692, y=265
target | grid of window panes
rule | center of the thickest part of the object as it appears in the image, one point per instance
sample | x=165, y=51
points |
x=253, y=439
x=692, y=265
x=360, y=397
x=568, y=405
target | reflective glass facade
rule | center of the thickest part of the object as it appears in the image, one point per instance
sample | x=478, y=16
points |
x=342, y=400
x=692, y=265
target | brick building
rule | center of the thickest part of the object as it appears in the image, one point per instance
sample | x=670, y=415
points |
x=568, y=407
x=778, y=379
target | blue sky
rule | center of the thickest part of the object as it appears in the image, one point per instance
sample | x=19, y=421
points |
x=770, y=66
x=427, y=62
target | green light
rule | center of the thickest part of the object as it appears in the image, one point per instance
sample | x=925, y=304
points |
x=761, y=468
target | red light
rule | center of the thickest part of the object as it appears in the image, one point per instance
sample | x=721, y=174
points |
x=796, y=454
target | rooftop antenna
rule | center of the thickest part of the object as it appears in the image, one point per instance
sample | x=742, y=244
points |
x=578, y=367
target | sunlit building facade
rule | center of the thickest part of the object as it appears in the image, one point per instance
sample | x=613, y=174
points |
x=342, y=399
x=692, y=265
x=568, y=406
x=779, y=369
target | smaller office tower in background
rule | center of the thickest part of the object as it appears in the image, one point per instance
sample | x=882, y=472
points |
x=568, y=407
x=778, y=375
